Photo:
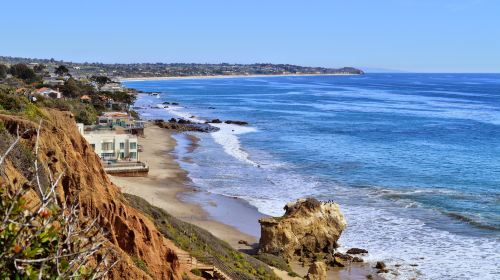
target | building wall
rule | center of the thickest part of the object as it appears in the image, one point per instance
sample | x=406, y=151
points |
x=111, y=146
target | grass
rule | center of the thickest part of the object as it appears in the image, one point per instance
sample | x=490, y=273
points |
x=201, y=244
x=142, y=265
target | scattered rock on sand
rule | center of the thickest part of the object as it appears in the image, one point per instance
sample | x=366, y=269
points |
x=357, y=259
x=244, y=242
x=355, y=251
x=380, y=265
x=317, y=271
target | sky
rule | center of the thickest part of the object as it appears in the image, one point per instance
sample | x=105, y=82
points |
x=406, y=35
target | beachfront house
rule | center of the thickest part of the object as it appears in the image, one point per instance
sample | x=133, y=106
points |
x=112, y=87
x=117, y=149
x=110, y=145
x=123, y=120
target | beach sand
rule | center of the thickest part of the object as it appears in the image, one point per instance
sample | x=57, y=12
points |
x=167, y=186
x=166, y=182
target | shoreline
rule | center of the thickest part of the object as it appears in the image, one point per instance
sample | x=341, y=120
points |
x=162, y=78
x=168, y=186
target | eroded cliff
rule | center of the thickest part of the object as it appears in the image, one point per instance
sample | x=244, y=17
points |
x=63, y=150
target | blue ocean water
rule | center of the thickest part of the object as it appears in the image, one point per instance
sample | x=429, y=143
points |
x=413, y=159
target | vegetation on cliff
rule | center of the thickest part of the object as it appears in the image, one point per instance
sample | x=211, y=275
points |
x=202, y=244
x=41, y=236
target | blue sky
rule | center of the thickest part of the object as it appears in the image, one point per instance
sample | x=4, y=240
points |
x=409, y=35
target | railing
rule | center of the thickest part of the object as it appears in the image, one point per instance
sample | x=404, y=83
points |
x=210, y=264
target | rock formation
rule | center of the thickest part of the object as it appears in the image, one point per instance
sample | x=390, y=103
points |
x=317, y=271
x=308, y=228
x=131, y=233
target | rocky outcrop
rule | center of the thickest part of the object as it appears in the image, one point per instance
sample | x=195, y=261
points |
x=307, y=228
x=185, y=125
x=131, y=234
x=317, y=271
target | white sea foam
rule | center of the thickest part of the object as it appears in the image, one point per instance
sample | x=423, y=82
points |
x=227, y=137
x=406, y=242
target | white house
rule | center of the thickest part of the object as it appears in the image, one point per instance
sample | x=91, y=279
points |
x=112, y=146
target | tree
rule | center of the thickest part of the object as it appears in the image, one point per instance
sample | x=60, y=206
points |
x=3, y=71
x=61, y=70
x=39, y=68
x=71, y=88
x=23, y=72
x=100, y=80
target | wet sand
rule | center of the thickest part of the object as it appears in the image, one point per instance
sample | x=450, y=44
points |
x=167, y=186
x=166, y=183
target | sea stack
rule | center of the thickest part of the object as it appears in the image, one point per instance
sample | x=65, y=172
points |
x=307, y=228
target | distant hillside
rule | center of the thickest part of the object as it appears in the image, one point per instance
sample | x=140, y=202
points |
x=178, y=69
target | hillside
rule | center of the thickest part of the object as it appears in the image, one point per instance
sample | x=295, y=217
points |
x=135, y=70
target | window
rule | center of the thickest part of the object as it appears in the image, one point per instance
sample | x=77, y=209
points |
x=133, y=145
x=122, y=155
x=122, y=145
x=107, y=156
x=133, y=155
x=108, y=146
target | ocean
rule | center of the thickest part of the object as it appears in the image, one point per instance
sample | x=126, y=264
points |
x=413, y=159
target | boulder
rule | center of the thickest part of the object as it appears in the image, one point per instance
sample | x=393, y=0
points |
x=215, y=121
x=317, y=271
x=307, y=228
x=355, y=251
x=236, y=122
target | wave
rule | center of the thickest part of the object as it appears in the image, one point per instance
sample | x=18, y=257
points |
x=228, y=139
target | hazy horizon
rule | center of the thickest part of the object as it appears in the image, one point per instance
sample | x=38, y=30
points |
x=408, y=36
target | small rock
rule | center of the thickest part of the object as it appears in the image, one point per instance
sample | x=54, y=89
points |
x=244, y=242
x=357, y=259
x=380, y=265
x=317, y=271
x=369, y=276
x=355, y=251
x=236, y=122
x=338, y=262
x=215, y=121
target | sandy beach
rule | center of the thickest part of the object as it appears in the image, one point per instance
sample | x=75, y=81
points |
x=167, y=184
x=138, y=79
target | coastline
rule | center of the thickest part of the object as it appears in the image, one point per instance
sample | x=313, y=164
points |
x=167, y=186
x=139, y=79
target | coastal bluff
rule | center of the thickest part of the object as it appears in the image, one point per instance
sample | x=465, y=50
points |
x=143, y=252
x=308, y=228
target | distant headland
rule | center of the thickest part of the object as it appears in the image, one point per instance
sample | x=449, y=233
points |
x=175, y=70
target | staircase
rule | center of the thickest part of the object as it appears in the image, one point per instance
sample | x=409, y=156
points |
x=206, y=265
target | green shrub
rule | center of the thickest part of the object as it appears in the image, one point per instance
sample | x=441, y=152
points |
x=44, y=239
x=196, y=272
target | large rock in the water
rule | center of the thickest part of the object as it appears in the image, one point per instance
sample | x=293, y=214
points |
x=309, y=227
x=317, y=271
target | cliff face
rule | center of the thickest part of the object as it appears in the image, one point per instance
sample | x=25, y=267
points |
x=131, y=234
x=309, y=227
